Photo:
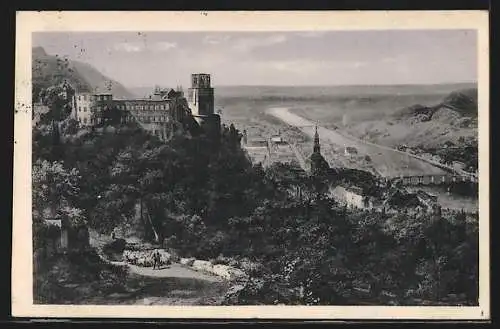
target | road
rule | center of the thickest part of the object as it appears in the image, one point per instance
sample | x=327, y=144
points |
x=388, y=162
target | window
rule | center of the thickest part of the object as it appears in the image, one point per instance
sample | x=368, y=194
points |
x=84, y=109
x=79, y=108
x=85, y=120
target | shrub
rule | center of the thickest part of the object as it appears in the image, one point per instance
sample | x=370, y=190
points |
x=116, y=246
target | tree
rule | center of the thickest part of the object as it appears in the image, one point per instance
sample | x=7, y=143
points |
x=58, y=99
x=55, y=189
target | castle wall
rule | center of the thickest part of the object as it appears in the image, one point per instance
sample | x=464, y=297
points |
x=210, y=124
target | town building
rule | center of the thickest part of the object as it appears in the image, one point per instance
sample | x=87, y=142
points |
x=427, y=199
x=350, y=150
x=277, y=139
x=351, y=196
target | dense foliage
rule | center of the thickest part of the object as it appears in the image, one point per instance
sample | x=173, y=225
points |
x=203, y=198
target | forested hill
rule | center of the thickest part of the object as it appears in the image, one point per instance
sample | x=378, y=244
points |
x=50, y=70
x=205, y=200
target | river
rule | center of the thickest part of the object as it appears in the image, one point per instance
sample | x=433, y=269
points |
x=387, y=162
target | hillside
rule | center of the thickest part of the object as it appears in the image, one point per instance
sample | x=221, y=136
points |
x=452, y=120
x=49, y=70
x=462, y=103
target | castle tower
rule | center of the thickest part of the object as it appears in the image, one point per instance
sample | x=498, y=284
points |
x=201, y=95
x=200, y=100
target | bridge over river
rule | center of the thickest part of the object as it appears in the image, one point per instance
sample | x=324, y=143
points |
x=434, y=179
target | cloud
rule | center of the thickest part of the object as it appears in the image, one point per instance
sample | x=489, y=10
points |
x=164, y=46
x=246, y=44
x=215, y=39
x=129, y=47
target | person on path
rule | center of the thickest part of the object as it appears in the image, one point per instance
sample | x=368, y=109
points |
x=156, y=260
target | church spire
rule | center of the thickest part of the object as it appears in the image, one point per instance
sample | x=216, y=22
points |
x=316, y=148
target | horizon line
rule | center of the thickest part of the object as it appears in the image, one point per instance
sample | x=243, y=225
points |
x=330, y=85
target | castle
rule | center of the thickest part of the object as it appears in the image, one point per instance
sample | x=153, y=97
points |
x=157, y=114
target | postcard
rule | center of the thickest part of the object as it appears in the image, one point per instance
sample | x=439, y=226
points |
x=251, y=165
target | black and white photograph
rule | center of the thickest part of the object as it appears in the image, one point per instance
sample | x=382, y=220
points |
x=237, y=167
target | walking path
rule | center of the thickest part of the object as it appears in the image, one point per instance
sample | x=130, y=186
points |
x=174, y=270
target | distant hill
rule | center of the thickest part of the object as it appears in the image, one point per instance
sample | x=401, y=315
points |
x=49, y=70
x=461, y=103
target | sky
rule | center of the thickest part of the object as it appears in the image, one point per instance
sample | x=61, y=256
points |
x=139, y=59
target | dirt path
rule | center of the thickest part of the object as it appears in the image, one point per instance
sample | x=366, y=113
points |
x=173, y=271
x=387, y=161
x=170, y=285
